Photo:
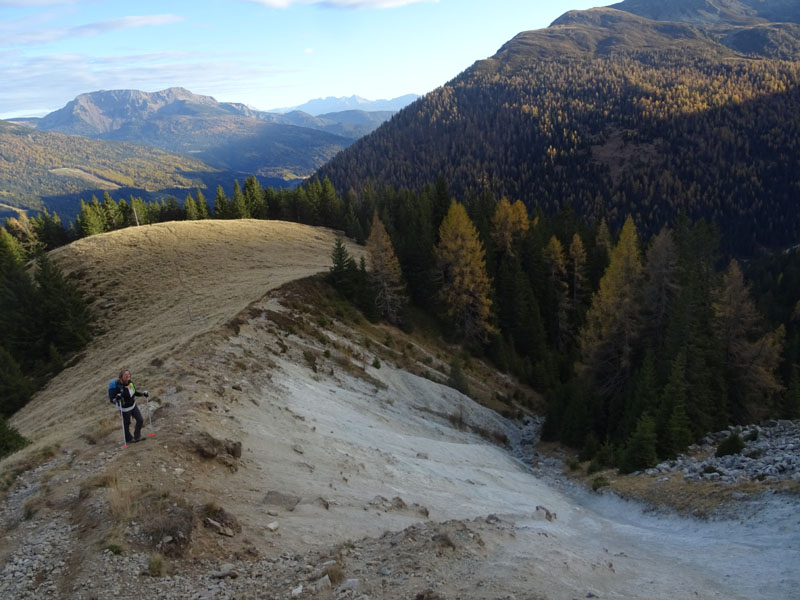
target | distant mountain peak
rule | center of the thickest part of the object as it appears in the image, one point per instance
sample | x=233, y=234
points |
x=332, y=104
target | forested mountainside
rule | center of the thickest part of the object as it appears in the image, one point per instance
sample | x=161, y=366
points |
x=612, y=114
x=39, y=164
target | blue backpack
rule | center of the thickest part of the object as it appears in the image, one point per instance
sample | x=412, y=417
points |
x=112, y=389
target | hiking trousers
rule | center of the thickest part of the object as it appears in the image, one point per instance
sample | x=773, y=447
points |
x=126, y=421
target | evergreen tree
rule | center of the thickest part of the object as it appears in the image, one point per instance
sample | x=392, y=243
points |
x=202, y=205
x=238, y=205
x=172, y=210
x=255, y=198
x=751, y=357
x=49, y=230
x=690, y=328
x=304, y=207
x=462, y=270
x=675, y=426
x=613, y=320
x=329, y=206
x=190, y=208
x=17, y=300
x=126, y=214
x=642, y=397
x=15, y=389
x=385, y=275
x=10, y=439
x=518, y=312
x=63, y=317
x=91, y=219
x=221, y=205
x=113, y=218
x=341, y=260
x=141, y=214
x=557, y=276
x=661, y=286
x=640, y=452
x=578, y=285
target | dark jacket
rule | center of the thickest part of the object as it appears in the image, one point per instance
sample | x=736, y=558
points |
x=118, y=393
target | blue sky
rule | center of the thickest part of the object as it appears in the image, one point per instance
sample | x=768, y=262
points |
x=264, y=53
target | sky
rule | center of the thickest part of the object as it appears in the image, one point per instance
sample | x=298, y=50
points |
x=267, y=54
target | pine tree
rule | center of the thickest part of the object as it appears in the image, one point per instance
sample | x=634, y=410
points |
x=221, y=205
x=613, y=320
x=91, y=219
x=340, y=259
x=49, y=230
x=255, y=198
x=190, y=208
x=202, y=205
x=751, y=357
x=113, y=218
x=640, y=452
x=385, y=274
x=690, y=328
x=462, y=271
x=329, y=205
x=10, y=439
x=642, y=397
x=238, y=206
x=15, y=389
x=172, y=210
x=141, y=214
x=661, y=286
x=63, y=317
x=675, y=427
x=557, y=276
x=17, y=299
x=576, y=274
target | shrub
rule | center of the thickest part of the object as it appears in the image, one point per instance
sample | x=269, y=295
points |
x=733, y=444
x=594, y=467
x=376, y=363
x=599, y=482
x=10, y=439
x=310, y=359
x=457, y=379
x=114, y=549
x=157, y=566
x=752, y=436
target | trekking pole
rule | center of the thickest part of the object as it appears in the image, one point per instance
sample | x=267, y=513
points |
x=150, y=419
x=124, y=439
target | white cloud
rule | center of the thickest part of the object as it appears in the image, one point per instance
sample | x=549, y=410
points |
x=308, y=51
x=341, y=3
x=225, y=75
x=89, y=29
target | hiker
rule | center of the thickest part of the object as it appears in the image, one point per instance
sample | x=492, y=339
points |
x=122, y=392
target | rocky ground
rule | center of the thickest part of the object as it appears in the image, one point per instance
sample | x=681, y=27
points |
x=300, y=452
